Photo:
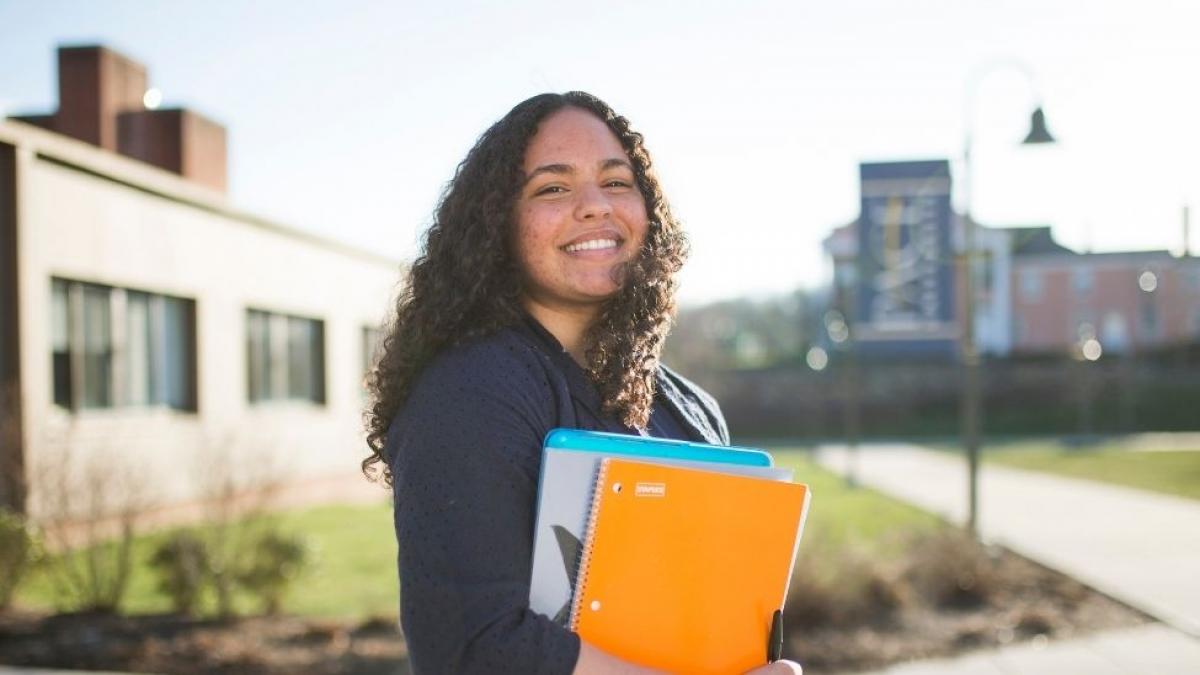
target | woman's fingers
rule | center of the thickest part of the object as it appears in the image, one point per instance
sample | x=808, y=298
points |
x=778, y=668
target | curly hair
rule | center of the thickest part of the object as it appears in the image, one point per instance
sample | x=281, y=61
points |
x=467, y=280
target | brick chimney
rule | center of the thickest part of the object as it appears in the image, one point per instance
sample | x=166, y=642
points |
x=100, y=102
x=178, y=140
x=94, y=85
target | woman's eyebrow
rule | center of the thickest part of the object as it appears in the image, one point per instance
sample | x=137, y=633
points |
x=614, y=163
x=560, y=169
x=567, y=169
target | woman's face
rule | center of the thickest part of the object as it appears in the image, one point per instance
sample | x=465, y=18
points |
x=579, y=213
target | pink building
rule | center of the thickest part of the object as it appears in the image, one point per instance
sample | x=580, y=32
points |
x=1127, y=301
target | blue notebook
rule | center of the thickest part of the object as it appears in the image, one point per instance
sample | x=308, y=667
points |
x=570, y=460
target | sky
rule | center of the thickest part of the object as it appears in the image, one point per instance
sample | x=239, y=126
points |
x=347, y=118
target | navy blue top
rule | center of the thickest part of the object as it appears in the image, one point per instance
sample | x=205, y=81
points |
x=465, y=452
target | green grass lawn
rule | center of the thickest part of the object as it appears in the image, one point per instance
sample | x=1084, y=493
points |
x=840, y=515
x=1175, y=472
x=354, y=574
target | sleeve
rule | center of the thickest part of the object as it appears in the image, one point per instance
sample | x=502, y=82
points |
x=464, y=456
x=712, y=410
x=704, y=402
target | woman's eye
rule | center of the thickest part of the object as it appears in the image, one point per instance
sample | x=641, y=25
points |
x=550, y=190
x=617, y=182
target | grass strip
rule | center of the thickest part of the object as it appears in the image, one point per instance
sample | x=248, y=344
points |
x=1174, y=472
x=354, y=549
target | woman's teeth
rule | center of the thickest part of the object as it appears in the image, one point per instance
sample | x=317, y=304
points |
x=592, y=245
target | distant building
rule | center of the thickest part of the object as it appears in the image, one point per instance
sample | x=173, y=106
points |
x=1127, y=300
x=1033, y=295
x=144, y=320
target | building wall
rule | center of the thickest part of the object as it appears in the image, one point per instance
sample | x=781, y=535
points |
x=12, y=492
x=993, y=309
x=90, y=216
x=1103, y=291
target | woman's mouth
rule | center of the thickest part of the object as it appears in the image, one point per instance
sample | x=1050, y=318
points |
x=592, y=245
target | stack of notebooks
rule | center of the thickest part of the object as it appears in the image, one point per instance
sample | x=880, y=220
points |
x=668, y=554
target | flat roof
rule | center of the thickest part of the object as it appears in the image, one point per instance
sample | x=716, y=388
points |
x=75, y=154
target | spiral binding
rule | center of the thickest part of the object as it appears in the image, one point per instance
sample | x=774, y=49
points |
x=585, y=553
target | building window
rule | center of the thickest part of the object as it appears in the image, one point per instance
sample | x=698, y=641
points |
x=1149, y=317
x=285, y=357
x=120, y=347
x=1114, y=333
x=258, y=355
x=1081, y=278
x=1020, y=330
x=60, y=342
x=372, y=338
x=1193, y=277
x=97, y=347
x=1031, y=285
x=159, y=342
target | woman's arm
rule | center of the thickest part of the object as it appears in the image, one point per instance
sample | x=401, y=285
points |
x=464, y=453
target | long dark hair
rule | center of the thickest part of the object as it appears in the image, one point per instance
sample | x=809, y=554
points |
x=467, y=282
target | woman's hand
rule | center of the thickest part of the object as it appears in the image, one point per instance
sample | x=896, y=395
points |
x=778, y=668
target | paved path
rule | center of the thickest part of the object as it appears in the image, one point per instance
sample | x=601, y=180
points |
x=1139, y=547
x=1154, y=649
x=16, y=670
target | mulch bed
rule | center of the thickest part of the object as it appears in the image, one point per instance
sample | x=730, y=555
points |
x=1025, y=602
x=173, y=644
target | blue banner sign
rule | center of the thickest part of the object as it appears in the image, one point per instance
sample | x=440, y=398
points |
x=906, y=258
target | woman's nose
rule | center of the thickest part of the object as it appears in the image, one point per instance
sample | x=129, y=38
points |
x=593, y=203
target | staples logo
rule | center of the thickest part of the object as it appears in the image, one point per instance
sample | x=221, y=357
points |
x=650, y=490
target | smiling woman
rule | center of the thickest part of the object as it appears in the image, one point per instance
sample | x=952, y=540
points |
x=580, y=218
x=541, y=299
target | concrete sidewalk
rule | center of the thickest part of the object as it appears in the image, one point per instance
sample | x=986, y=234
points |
x=1154, y=649
x=1139, y=547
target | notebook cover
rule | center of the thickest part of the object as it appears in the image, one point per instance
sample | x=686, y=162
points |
x=564, y=496
x=682, y=568
x=569, y=464
x=648, y=446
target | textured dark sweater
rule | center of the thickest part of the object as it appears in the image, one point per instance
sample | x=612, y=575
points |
x=465, y=454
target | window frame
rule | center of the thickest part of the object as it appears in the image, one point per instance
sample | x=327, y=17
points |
x=72, y=384
x=275, y=346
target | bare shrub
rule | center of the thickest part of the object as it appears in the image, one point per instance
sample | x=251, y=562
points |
x=237, y=544
x=18, y=543
x=12, y=470
x=181, y=562
x=953, y=570
x=238, y=488
x=18, y=551
x=273, y=562
x=90, y=509
x=841, y=586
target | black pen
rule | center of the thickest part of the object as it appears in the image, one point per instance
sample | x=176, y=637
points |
x=775, y=640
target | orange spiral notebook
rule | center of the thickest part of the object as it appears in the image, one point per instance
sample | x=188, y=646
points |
x=682, y=569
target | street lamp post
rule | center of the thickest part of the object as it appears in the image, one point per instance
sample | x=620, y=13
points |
x=972, y=412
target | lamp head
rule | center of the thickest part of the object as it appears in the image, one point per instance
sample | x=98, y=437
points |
x=1038, y=133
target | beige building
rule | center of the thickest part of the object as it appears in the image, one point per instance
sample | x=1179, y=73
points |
x=150, y=329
